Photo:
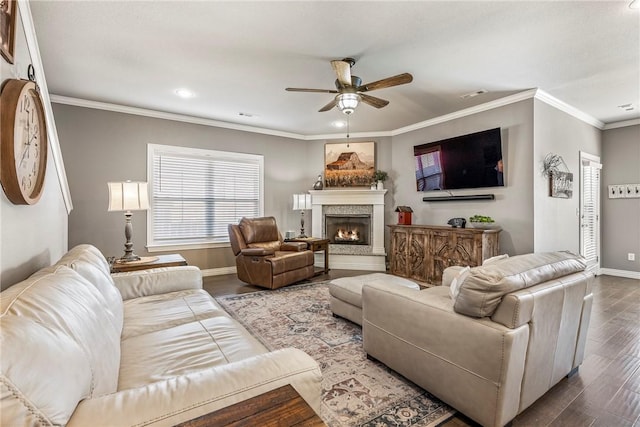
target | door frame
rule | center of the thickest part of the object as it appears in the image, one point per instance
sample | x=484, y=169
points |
x=587, y=159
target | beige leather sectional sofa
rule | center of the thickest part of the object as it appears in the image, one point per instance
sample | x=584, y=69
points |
x=84, y=348
x=515, y=329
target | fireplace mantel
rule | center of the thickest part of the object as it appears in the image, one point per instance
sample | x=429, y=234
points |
x=373, y=260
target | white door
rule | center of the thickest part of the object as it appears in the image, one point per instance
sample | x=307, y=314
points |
x=590, y=210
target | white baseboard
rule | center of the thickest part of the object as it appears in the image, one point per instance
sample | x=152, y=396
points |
x=218, y=271
x=620, y=273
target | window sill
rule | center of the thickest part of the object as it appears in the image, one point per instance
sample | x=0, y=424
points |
x=186, y=246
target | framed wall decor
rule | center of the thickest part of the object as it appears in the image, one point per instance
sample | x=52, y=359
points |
x=561, y=184
x=7, y=28
x=349, y=164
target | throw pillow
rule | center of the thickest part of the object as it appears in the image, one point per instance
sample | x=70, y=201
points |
x=454, y=288
x=494, y=259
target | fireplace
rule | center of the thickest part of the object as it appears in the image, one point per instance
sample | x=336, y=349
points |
x=357, y=206
x=348, y=229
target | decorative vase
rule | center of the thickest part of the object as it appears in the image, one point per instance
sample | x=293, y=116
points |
x=380, y=185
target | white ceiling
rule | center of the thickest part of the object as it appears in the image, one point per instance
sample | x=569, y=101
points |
x=239, y=56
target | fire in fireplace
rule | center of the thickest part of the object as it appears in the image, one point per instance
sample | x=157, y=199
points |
x=348, y=229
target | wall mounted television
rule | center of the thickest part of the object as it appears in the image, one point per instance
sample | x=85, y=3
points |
x=466, y=161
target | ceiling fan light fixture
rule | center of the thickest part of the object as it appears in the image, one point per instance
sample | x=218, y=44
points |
x=347, y=102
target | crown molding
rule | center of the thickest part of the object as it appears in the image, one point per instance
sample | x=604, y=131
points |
x=569, y=109
x=507, y=100
x=107, y=106
x=535, y=93
x=616, y=125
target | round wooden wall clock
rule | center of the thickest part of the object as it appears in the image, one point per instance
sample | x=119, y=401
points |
x=23, y=142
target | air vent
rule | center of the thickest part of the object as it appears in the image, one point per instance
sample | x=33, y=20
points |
x=473, y=94
x=627, y=107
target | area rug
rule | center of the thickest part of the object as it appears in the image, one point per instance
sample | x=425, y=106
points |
x=355, y=390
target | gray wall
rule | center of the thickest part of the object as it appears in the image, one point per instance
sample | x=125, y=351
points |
x=556, y=220
x=31, y=236
x=513, y=207
x=101, y=146
x=620, y=225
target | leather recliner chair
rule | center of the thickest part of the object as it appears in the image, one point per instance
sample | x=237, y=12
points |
x=263, y=259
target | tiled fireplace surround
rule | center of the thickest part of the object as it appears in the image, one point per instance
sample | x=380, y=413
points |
x=349, y=202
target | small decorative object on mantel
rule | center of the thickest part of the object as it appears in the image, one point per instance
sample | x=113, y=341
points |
x=318, y=185
x=380, y=177
x=404, y=215
x=560, y=178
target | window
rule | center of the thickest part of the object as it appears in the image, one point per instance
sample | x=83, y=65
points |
x=196, y=193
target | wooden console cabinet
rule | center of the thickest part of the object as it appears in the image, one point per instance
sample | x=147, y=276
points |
x=422, y=252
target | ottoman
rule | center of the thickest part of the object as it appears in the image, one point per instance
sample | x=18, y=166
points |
x=346, y=293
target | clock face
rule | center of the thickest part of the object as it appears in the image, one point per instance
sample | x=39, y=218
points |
x=24, y=143
x=27, y=141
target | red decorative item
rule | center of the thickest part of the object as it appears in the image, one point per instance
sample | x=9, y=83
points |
x=404, y=215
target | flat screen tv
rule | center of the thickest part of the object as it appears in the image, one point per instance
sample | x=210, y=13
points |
x=467, y=161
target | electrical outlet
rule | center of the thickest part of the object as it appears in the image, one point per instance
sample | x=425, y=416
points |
x=631, y=256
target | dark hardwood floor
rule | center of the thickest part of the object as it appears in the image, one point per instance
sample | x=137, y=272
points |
x=606, y=390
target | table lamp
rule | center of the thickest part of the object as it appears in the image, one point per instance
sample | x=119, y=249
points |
x=301, y=202
x=128, y=196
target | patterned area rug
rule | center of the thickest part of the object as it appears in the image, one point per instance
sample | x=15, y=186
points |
x=356, y=391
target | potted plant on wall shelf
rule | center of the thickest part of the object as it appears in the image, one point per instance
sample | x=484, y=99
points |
x=380, y=177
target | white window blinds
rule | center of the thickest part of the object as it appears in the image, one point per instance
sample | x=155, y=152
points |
x=196, y=193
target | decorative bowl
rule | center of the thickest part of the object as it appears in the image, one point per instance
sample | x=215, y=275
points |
x=485, y=225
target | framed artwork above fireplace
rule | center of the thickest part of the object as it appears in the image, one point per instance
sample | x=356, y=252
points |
x=349, y=164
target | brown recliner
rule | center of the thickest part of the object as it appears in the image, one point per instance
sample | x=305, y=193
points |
x=263, y=259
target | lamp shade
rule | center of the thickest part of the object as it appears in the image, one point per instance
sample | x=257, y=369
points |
x=301, y=202
x=128, y=196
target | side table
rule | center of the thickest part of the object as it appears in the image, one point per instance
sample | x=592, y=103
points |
x=280, y=407
x=169, y=260
x=316, y=244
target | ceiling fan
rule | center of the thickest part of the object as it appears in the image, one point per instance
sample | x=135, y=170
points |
x=350, y=90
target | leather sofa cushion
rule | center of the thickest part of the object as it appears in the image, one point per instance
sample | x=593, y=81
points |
x=269, y=246
x=282, y=262
x=482, y=291
x=69, y=306
x=256, y=230
x=45, y=373
x=157, y=312
x=183, y=349
x=89, y=262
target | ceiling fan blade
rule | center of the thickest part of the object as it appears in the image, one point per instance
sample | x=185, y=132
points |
x=343, y=71
x=329, y=106
x=373, y=101
x=400, y=79
x=302, y=89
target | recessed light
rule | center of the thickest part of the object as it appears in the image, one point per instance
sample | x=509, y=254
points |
x=339, y=124
x=185, y=93
x=473, y=94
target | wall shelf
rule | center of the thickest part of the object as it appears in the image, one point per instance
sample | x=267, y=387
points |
x=459, y=198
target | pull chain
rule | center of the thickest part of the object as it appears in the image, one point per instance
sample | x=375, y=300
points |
x=347, y=131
